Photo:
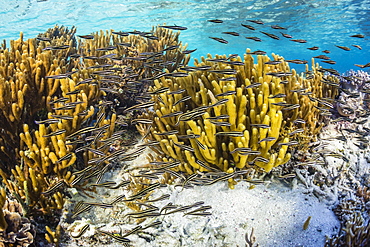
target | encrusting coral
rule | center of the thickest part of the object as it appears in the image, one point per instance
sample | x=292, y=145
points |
x=227, y=114
x=19, y=231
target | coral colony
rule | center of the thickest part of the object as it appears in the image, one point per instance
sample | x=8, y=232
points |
x=66, y=104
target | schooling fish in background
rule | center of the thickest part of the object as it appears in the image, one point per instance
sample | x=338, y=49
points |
x=286, y=35
x=358, y=36
x=216, y=21
x=258, y=52
x=322, y=57
x=231, y=33
x=296, y=61
x=357, y=46
x=343, y=47
x=174, y=27
x=188, y=51
x=277, y=27
x=314, y=48
x=86, y=36
x=299, y=40
x=363, y=66
x=221, y=40
x=247, y=26
x=273, y=36
x=329, y=61
x=256, y=21
x=326, y=51
x=254, y=38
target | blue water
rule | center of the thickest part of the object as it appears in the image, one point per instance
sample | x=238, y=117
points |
x=322, y=23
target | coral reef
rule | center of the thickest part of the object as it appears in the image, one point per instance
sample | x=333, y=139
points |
x=59, y=99
x=227, y=114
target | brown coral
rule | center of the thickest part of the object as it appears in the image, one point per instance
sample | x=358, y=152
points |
x=19, y=232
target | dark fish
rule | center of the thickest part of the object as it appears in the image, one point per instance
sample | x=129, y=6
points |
x=54, y=187
x=263, y=126
x=257, y=84
x=170, y=48
x=216, y=60
x=363, y=66
x=249, y=27
x=277, y=27
x=188, y=51
x=287, y=108
x=182, y=100
x=273, y=36
x=58, y=132
x=177, y=92
x=232, y=56
x=163, y=197
x=358, y=36
x=326, y=51
x=120, y=33
x=139, y=106
x=322, y=57
x=329, y=61
x=256, y=21
x=258, y=52
x=228, y=79
x=314, y=48
x=176, y=74
x=279, y=74
x=357, y=46
x=267, y=139
x=196, y=68
x=286, y=35
x=225, y=71
x=279, y=95
x=235, y=63
x=273, y=62
x=86, y=36
x=47, y=121
x=115, y=236
x=221, y=40
x=297, y=121
x=225, y=93
x=299, y=40
x=191, y=136
x=231, y=33
x=187, y=148
x=230, y=133
x=296, y=132
x=160, y=90
x=291, y=143
x=343, y=47
x=173, y=114
x=254, y=38
x=174, y=27
x=220, y=123
x=204, y=165
x=43, y=38
x=76, y=55
x=171, y=132
x=216, y=21
x=82, y=231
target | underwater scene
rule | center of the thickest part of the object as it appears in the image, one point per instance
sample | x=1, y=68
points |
x=184, y=123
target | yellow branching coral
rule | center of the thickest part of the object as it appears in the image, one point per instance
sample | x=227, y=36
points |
x=227, y=114
x=59, y=100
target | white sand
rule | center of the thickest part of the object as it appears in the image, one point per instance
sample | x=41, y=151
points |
x=277, y=214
